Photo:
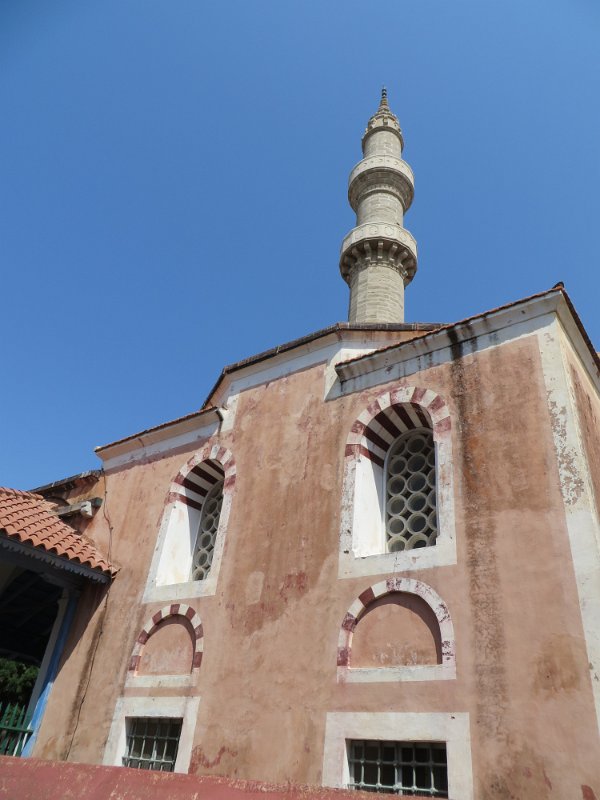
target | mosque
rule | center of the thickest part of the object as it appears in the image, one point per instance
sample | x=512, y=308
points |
x=371, y=560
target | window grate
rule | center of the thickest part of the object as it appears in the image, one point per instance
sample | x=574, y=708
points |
x=152, y=743
x=207, y=532
x=404, y=768
x=411, y=516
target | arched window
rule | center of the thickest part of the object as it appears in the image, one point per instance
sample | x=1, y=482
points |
x=410, y=491
x=190, y=543
x=398, y=495
x=207, y=532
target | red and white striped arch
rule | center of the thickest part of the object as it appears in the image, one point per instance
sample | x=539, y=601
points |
x=169, y=578
x=392, y=414
x=189, y=617
x=209, y=465
x=392, y=586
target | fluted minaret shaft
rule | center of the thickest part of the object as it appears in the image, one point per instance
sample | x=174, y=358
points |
x=379, y=256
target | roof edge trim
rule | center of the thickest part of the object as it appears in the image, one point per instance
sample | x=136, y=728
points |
x=89, y=476
x=54, y=560
x=337, y=328
x=158, y=433
x=472, y=327
x=189, y=422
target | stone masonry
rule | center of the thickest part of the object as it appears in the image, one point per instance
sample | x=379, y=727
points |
x=379, y=256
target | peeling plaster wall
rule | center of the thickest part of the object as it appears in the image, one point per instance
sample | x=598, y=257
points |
x=268, y=677
x=577, y=437
x=587, y=403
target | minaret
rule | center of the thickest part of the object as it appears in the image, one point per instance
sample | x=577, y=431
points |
x=379, y=257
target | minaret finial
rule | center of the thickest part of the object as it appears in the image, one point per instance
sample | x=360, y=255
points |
x=384, y=100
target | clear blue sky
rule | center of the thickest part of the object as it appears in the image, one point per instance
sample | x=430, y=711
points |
x=173, y=187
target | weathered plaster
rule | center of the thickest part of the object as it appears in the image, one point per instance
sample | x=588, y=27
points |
x=576, y=484
x=269, y=671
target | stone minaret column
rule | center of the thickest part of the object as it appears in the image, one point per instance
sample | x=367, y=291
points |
x=379, y=257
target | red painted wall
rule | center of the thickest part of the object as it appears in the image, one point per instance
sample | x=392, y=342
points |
x=33, y=779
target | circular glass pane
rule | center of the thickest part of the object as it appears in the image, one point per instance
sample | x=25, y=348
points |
x=396, y=544
x=208, y=522
x=396, y=505
x=417, y=501
x=417, y=540
x=396, y=525
x=417, y=523
x=416, y=482
x=417, y=444
x=416, y=462
x=396, y=485
x=211, y=505
x=206, y=540
x=397, y=466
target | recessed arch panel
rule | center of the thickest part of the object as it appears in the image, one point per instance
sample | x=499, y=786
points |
x=188, y=616
x=446, y=657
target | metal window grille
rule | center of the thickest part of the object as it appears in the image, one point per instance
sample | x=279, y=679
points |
x=152, y=743
x=404, y=768
x=411, y=516
x=207, y=532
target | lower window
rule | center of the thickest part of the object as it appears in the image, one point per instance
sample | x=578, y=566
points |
x=405, y=768
x=152, y=743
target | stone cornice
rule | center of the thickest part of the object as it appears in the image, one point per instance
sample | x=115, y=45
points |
x=375, y=242
x=380, y=230
x=383, y=173
x=555, y=301
x=383, y=122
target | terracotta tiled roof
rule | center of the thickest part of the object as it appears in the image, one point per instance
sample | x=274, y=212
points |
x=29, y=519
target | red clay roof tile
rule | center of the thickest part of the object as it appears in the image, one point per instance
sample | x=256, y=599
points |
x=29, y=519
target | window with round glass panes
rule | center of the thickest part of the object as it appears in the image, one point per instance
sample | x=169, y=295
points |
x=207, y=532
x=410, y=510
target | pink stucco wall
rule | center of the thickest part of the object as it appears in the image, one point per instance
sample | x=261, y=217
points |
x=268, y=674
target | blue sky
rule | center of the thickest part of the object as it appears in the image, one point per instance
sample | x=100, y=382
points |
x=173, y=187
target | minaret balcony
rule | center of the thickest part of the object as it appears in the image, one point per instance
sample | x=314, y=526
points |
x=381, y=173
x=379, y=243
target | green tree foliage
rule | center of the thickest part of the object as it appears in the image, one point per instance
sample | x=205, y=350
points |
x=16, y=680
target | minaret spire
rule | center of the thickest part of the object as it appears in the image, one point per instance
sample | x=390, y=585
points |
x=379, y=256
